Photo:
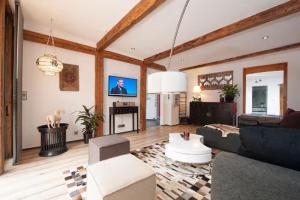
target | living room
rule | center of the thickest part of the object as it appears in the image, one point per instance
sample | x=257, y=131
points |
x=149, y=99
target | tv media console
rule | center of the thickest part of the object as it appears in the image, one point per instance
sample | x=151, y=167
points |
x=113, y=111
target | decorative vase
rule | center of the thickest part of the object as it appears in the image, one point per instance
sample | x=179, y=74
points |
x=87, y=136
x=186, y=135
x=229, y=99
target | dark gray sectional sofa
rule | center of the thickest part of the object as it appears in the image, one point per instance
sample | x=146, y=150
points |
x=265, y=167
x=236, y=177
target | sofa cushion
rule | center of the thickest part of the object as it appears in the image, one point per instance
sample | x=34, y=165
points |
x=246, y=120
x=291, y=119
x=280, y=146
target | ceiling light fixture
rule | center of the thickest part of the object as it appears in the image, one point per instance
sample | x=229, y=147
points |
x=169, y=81
x=48, y=63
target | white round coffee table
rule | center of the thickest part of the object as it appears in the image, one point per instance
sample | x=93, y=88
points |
x=191, y=151
x=180, y=152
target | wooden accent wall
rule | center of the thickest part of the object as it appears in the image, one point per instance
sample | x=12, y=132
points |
x=2, y=41
x=267, y=68
x=99, y=88
x=143, y=96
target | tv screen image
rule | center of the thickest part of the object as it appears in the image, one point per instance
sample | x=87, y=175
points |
x=121, y=86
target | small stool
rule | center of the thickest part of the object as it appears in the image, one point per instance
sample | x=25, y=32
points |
x=123, y=177
x=102, y=148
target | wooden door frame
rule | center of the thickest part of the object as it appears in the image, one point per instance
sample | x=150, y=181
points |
x=2, y=42
x=267, y=68
x=9, y=45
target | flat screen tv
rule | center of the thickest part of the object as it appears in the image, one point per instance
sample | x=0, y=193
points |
x=121, y=86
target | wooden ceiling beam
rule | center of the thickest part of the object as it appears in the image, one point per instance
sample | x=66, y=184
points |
x=127, y=59
x=155, y=66
x=140, y=11
x=65, y=44
x=120, y=57
x=73, y=46
x=259, y=53
x=271, y=14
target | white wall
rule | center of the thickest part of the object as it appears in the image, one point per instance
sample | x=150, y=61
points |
x=117, y=68
x=44, y=95
x=152, y=102
x=291, y=57
x=151, y=108
x=273, y=91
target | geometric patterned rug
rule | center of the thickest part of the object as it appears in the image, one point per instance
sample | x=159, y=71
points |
x=172, y=183
x=76, y=180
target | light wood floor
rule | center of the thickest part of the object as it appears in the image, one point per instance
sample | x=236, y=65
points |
x=40, y=178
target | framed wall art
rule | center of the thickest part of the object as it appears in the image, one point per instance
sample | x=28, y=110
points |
x=215, y=81
x=69, y=78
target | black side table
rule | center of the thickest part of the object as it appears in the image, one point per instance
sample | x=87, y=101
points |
x=53, y=140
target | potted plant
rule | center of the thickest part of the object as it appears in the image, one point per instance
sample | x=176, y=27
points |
x=89, y=120
x=230, y=92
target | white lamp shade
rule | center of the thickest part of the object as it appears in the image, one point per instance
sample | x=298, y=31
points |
x=167, y=82
x=49, y=64
x=196, y=89
x=154, y=83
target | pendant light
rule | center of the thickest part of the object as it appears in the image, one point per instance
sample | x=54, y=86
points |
x=169, y=81
x=48, y=63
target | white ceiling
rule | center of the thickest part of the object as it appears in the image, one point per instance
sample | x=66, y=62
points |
x=86, y=21
x=155, y=33
x=281, y=32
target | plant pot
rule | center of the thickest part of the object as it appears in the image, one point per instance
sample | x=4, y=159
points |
x=229, y=99
x=86, y=137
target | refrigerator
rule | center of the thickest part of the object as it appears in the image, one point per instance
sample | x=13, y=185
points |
x=169, y=109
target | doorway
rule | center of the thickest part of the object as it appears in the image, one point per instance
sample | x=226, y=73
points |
x=265, y=89
x=153, y=110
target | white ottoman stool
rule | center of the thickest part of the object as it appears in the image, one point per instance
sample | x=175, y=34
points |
x=123, y=177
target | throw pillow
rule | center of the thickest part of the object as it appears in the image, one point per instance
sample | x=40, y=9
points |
x=291, y=119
